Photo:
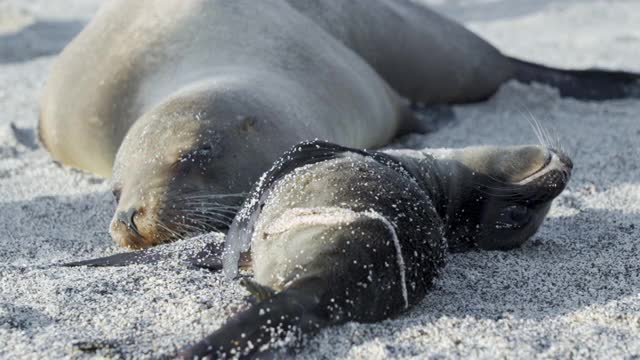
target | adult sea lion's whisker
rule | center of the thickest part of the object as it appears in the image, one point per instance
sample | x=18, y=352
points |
x=199, y=227
x=208, y=217
x=208, y=212
x=207, y=204
x=189, y=227
x=225, y=213
x=172, y=234
x=209, y=208
x=215, y=196
x=196, y=218
x=224, y=216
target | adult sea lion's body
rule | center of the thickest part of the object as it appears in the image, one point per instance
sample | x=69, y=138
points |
x=199, y=97
x=179, y=100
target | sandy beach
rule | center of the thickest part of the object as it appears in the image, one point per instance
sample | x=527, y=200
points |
x=573, y=291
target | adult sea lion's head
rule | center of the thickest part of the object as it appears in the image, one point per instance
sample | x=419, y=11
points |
x=178, y=173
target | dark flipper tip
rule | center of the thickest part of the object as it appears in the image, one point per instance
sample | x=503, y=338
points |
x=206, y=263
x=588, y=84
x=122, y=259
x=209, y=258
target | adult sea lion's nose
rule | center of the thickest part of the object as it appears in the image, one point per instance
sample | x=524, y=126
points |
x=126, y=217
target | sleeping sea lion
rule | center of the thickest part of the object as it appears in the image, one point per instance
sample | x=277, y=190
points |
x=185, y=103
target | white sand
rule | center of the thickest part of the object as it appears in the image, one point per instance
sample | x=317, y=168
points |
x=572, y=291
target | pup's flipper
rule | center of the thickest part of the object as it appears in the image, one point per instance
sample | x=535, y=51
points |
x=291, y=312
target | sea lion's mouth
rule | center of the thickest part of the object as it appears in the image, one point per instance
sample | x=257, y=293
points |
x=555, y=161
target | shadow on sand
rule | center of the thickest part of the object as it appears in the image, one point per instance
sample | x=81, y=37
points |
x=464, y=10
x=42, y=38
x=48, y=228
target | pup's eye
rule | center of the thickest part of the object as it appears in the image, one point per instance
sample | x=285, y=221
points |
x=516, y=215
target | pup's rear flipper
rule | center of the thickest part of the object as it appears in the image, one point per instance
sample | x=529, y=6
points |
x=591, y=84
x=291, y=312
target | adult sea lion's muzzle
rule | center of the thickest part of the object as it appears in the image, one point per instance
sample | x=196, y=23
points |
x=126, y=218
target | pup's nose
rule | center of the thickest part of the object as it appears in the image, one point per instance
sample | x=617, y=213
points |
x=126, y=217
x=566, y=161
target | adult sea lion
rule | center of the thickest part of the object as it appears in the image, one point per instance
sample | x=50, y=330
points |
x=185, y=103
x=336, y=234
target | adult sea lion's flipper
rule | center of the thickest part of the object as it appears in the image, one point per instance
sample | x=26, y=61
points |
x=209, y=258
x=123, y=259
x=588, y=84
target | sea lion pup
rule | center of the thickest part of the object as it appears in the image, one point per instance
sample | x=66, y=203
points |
x=186, y=102
x=339, y=234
